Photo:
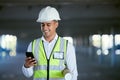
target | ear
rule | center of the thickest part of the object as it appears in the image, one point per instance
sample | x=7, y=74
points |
x=56, y=24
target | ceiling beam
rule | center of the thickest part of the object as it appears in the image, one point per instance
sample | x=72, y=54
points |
x=55, y=2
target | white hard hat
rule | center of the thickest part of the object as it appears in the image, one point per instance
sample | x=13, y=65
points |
x=47, y=14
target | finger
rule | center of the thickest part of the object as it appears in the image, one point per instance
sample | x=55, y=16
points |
x=30, y=62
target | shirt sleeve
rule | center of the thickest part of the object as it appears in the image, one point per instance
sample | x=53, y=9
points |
x=28, y=72
x=71, y=61
x=29, y=49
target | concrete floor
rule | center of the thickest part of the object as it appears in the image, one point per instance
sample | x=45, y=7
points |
x=89, y=69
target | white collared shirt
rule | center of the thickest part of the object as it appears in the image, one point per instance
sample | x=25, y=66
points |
x=70, y=57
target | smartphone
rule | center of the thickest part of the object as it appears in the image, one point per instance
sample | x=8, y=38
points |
x=29, y=54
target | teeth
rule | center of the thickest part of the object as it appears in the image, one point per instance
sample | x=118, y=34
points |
x=46, y=31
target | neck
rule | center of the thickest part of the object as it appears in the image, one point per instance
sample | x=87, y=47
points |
x=49, y=38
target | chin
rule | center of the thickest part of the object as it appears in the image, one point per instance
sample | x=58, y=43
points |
x=46, y=35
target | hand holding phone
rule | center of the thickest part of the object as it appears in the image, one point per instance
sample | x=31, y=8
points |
x=30, y=61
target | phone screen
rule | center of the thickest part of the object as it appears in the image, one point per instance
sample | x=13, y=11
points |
x=29, y=54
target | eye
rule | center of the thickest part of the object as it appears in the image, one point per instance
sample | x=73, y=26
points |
x=48, y=24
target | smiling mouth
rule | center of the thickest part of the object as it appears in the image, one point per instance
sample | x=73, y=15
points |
x=46, y=31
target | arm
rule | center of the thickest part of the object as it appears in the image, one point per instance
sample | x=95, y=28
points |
x=71, y=61
x=27, y=70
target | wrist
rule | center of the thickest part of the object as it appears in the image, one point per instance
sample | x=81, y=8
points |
x=26, y=66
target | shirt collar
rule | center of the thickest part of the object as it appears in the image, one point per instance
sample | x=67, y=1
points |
x=55, y=38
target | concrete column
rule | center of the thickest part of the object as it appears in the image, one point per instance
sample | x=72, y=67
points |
x=113, y=49
x=101, y=55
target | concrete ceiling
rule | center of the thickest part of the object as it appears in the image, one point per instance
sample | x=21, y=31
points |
x=79, y=17
x=56, y=2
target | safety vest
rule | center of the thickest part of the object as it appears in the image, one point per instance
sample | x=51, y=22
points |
x=49, y=69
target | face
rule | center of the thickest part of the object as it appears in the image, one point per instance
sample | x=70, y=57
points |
x=49, y=28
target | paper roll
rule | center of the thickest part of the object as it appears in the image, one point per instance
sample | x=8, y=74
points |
x=67, y=74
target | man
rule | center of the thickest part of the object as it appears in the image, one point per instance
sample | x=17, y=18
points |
x=52, y=54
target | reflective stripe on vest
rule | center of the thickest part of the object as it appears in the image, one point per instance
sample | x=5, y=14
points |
x=55, y=65
x=49, y=79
